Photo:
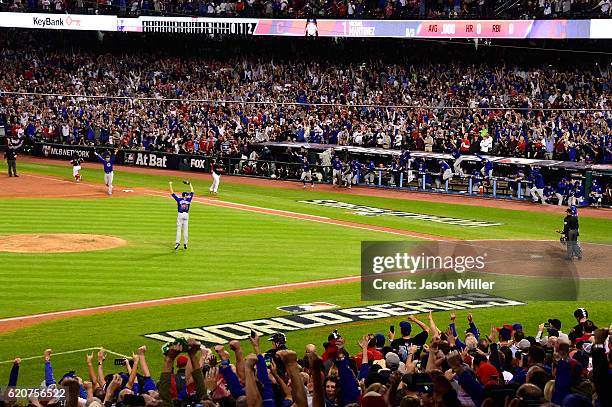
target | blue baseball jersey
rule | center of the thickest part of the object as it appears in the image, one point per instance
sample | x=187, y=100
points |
x=108, y=165
x=444, y=166
x=488, y=165
x=456, y=153
x=549, y=191
x=562, y=188
x=183, y=203
x=578, y=191
x=537, y=179
x=596, y=189
x=336, y=164
x=305, y=166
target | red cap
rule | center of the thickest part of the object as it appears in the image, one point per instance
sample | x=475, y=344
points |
x=181, y=361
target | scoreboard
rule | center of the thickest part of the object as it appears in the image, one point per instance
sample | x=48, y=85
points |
x=443, y=29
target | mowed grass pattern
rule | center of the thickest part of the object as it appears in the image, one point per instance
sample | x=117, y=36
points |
x=228, y=249
x=515, y=224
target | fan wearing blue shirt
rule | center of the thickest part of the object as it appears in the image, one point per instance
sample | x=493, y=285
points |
x=183, y=204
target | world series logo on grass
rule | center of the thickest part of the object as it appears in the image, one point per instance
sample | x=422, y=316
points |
x=226, y=332
x=364, y=210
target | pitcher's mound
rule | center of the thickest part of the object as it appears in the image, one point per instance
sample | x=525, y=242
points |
x=57, y=243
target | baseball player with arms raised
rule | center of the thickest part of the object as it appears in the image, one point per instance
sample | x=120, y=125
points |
x=216, y=169
x=76, y=167
x=108, y=161
x=182, y=221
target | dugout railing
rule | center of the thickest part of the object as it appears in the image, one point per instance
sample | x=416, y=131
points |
x=425, y=181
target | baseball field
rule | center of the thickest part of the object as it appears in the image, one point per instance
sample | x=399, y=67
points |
x=80, y=270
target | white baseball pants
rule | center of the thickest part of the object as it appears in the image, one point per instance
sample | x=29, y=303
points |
x=215, y=185
x=108, y=180
x=182, y=223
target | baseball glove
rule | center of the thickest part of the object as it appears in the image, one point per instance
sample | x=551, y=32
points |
x=186, y=182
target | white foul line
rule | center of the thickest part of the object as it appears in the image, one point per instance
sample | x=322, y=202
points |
x=298, y=216
x=203, y=296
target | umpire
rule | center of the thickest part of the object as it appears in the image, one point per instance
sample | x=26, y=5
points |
x=570, y=230
x=11, y=160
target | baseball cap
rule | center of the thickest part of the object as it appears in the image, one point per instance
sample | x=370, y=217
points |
x=555, y=323
x=523, y=344
x=181, y=361
x=405, y=328
x=517, y=327
x=279, y=338
x=581, y=313
x=392, y=361
x=505, y=333
x=487, y=374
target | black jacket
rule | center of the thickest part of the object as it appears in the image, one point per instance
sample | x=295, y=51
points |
x=10, y=154
x=570, y=223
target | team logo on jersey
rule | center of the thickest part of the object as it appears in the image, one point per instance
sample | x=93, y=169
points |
x=311, y=306
x=363, y=210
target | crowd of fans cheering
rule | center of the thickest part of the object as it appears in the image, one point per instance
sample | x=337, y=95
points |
x=419, y=365
x=395, y=9
x=533, y=111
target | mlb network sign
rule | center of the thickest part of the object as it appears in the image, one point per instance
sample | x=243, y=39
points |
x=224, y=333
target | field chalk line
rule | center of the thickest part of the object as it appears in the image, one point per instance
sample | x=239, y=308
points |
x=298, y=216
x=170, y=300
x=67, y=352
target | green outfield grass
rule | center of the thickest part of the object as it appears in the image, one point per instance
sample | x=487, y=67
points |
x=228, y=249
x=515, y=224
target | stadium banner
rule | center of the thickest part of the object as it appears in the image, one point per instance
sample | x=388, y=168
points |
x=202, y=163
x=49, y=21
x=225, y=332
x=62, y=151
x=442, y=29
x=189, y=25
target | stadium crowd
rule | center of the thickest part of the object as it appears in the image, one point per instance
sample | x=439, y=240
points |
x=420, y=365
x=377, y=9
x=195, y=104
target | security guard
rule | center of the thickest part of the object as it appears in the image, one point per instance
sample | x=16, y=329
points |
x=570, y=230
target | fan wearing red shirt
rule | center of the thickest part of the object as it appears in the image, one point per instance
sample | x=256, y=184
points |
x=465, y=144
